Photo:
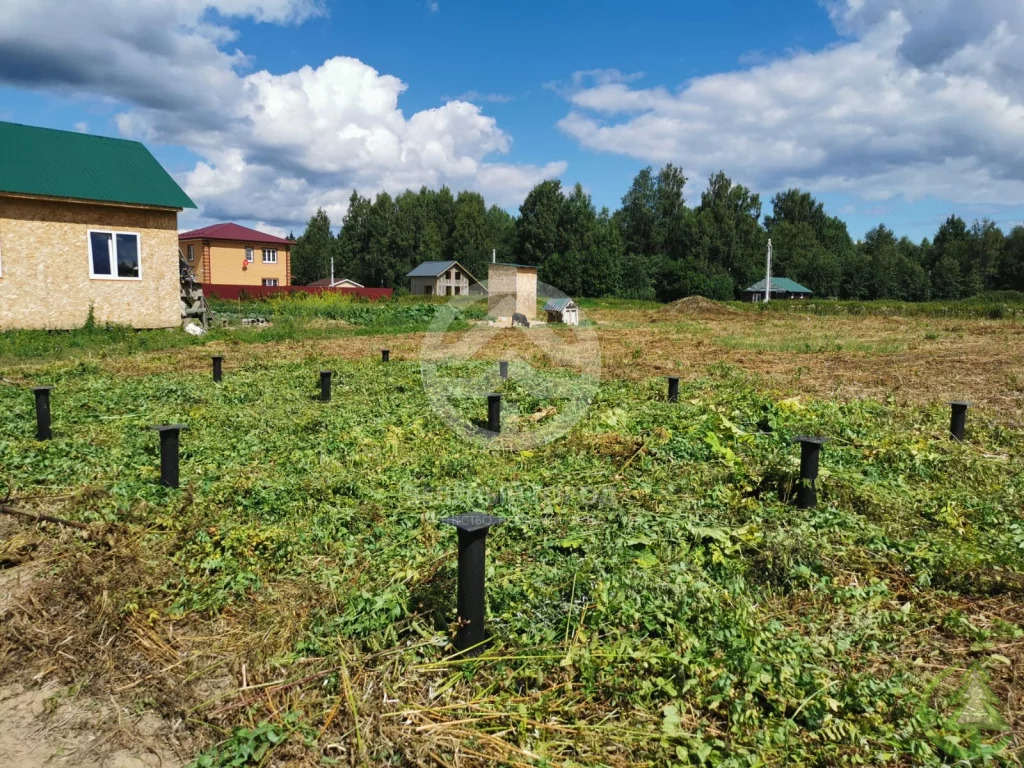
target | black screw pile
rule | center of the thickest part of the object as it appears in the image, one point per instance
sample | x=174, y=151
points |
x=673, y=389
x=217, y=373
x=169, y=453
x=471, y=601
x=810, y=450
x=958, y=420
x=43, y=431
x=494, y=412
x=325, y=386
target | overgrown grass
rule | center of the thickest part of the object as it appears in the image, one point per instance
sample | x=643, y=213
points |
x=291, y=319
x=98, y=341
x=811, y=346
x=996, y=305
x=102, y=342
x=654, y=597
x=379, y=315
x=621, y=304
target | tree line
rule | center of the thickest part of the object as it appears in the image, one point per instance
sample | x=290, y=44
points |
x=657, y=246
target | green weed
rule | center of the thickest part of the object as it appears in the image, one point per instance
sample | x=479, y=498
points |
x=654, y=597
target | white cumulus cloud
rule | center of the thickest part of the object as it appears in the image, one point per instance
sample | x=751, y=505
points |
x=273, y=146
x=922, y=97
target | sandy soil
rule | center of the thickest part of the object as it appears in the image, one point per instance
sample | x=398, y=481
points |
x=41, y=729
x=42, y=724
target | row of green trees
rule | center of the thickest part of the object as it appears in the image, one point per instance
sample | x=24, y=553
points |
x=380, y=241
x=657, y=246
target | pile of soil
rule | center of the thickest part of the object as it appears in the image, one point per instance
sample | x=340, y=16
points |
x=696, y=306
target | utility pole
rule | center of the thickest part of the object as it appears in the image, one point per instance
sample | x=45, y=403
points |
x=332, y=272
x=768, y=274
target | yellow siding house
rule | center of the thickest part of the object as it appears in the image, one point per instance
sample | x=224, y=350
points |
x=229, y=254
x=86, y=222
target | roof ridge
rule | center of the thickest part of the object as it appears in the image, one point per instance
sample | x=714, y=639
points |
x=232, y=230
x=83, y=134
x=75, y=165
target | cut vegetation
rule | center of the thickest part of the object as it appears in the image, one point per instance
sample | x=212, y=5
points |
x=654, y=597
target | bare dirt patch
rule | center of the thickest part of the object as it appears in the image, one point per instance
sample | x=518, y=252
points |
x=42, y=727
x=43, y=721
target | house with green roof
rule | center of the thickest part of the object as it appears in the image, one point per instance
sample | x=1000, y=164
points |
x=88, y=224
x=782, y=288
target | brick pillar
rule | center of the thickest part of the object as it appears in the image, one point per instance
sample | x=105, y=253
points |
x=287, y=266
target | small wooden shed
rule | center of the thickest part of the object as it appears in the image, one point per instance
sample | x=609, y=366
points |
x=562, y=311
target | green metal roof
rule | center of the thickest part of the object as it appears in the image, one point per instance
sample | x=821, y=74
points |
x=781, y=285
x=43, y=161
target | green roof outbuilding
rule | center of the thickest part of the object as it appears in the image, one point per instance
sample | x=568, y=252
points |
x=52, y=163
x=779, y=285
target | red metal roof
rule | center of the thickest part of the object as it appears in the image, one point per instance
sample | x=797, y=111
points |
x=231, y=231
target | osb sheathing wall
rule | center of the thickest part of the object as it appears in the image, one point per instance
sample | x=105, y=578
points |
x=501, y=288
x=44, y=257
x=526, y=292
x=511, y=289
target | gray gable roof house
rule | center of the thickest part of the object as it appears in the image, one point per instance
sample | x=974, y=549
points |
x=443, y=278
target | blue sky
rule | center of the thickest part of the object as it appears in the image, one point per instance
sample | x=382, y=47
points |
x=900, y=111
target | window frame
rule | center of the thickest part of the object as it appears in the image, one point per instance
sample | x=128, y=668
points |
x=190, y=252
x=113, y=254
x=250, y=254
x=269, y=250
x=458, y=276
x=270, y=282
